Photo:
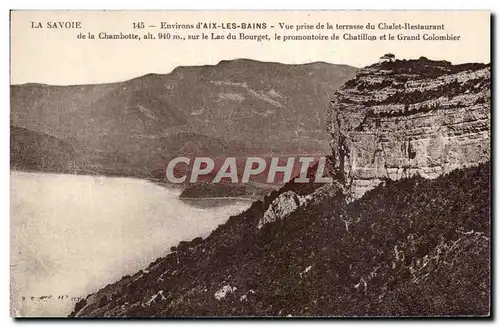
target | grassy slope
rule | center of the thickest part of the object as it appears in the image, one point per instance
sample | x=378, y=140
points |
x=411, y=247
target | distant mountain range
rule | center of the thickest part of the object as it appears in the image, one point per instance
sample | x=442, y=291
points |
x=238, y=107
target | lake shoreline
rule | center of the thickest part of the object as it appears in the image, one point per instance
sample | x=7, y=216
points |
x=61, y=222
x=180, y=187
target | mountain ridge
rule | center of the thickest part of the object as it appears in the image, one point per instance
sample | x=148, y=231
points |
x=152, y=74
x=251, y=105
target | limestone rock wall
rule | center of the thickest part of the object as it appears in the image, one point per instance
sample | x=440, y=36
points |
x=395, y=120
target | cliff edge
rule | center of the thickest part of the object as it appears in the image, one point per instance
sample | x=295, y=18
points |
x=409, y=117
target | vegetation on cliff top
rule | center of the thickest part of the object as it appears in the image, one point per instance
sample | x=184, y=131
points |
x=426, y=68
x=396, y=74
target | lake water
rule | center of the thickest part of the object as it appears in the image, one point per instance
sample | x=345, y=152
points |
x=72, y=235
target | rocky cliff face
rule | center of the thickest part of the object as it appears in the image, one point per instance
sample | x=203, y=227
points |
x=404, y=118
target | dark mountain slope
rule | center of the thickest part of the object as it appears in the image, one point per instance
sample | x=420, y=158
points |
x=411, y=247
x=40, y=152
x=129, y=126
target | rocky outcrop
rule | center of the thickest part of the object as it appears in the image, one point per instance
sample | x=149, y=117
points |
x=403, y=118
x=291, y=198
x=282, y=206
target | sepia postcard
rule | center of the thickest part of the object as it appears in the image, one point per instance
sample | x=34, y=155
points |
x=250, y=164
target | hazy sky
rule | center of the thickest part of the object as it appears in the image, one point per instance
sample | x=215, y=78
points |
x=56, y=56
